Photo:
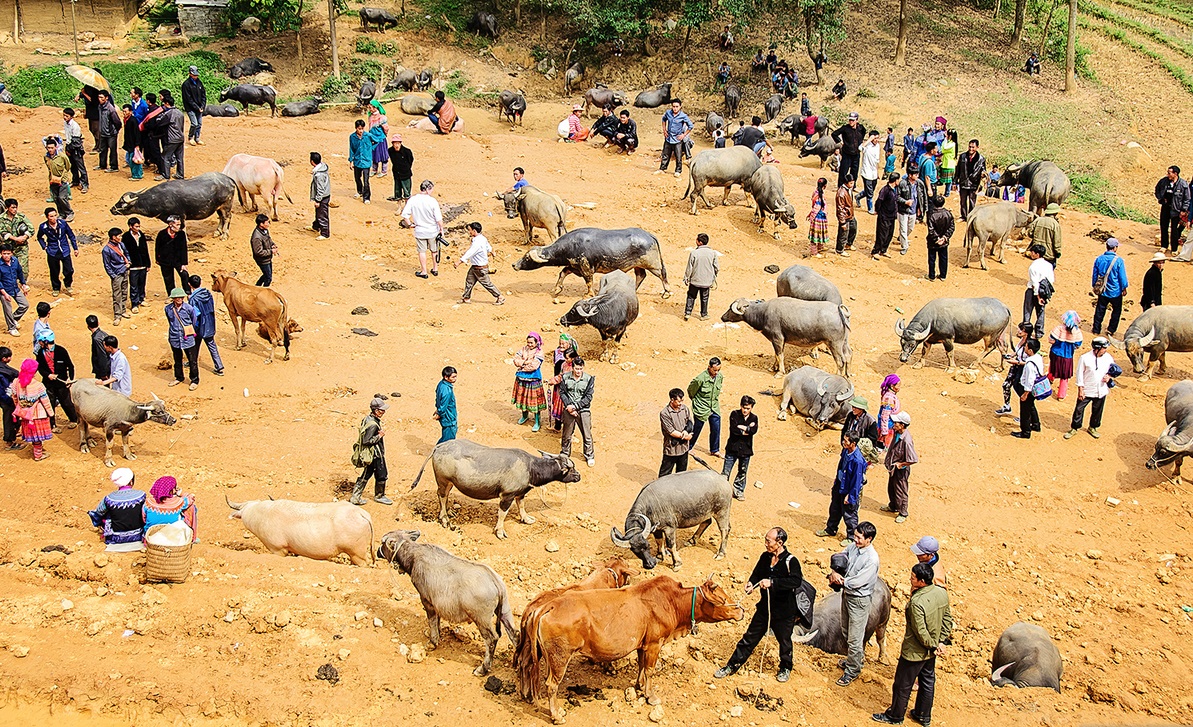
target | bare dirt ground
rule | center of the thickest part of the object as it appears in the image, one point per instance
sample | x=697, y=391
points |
x=1026, y=529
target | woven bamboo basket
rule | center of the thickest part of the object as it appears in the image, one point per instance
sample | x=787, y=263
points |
x=166, y=564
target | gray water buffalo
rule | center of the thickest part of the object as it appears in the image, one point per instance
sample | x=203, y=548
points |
x=801, y=281
x=682, y=500
x=610, y=311
x=305, y=107
x=512, y=105
x=249, y=94
x=789, y=125
x=955, y=320
x=1026, y=657
x=404, y=80
x=416, y=104
x=818, y=395
x=249, y=67
x=379, y=17
x=366, y=94
x=798, y=322
x=589, y=250
x=712, y=122
x=720, y=168
x=795, y=126
x=765, y=186
x=574, y=73
x=600, y=97
x=316, y=530
x=537, y=209
x=100, y=407
x=1155, y=332
x=483, y=23
x=424, y=79
x=1176, y=442
x=652, y=99
x=732, y=100
x=221, y=111
x=1044, y=181
x=196, y=198
x=771, y=107
x=993, y=224
x=822, y=147
x=826, y=633
x=492, y=473
x=452, y=588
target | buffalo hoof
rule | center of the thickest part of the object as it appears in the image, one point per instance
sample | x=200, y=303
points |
x=286, y=357
x=719, y=556
x=130, y=455
x=782, y=416
x=83, y=448
x=1145, y=377
x=109, y=463
x=815, y=354
x=918, y=364
x=613, y=359
x=500, y=534
x=480, y=671
x=666, y=294
x=951, y=370
x=527, y=520
x=559, y=719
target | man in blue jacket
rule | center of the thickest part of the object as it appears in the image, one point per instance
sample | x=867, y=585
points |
x=204, y=305
x=445, y=404
x=182, y=320
x=360, y=154
x=677, y=127
x=847, y=489
x=58, y=240
x=1110, y=285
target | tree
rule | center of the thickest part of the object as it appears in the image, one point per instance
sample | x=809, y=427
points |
x=823, y=24
x=1071, y=50
x=335, y=52
x=1020, y=15
x=901, y=43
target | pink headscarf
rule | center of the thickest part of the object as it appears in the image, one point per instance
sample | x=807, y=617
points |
x=28, y=369
x=163, y=488
x=889, y=382
x=537, y=338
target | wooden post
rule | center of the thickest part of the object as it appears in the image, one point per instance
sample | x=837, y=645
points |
x=335, y=52
x=74, y=29
x=1071, y=50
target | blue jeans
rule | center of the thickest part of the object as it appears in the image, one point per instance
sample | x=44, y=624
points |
x=743, y=466
x=196, y=125
x=449, y=433
x=138, y=170
x=714, y=433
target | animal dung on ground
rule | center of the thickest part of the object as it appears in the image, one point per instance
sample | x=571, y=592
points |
x=362, y=332
x=360, y=310
x=328, y=673
x=386, y=285
x=772, y=269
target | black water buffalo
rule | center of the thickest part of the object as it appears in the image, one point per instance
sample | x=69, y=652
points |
x=955, y=320
x=248, y=94
x=483, y=23
x=589, y=250
x=423, y=81
x=249, y=67
x=1045, y=182
x=1176, y=442
x=1026, y=657
x=732, y=100
x=826, y=633
x=712, y=122
x=511, y=104
x=771, y=107
x=797, y=126
x=600, y=97
x=658, y=96
x=610, y=311
x=822, y=147
x=818, y=395
x=574, y=73
x=367, y=92
x=765, y=186
x=306, y=107
x=682, y=500
x=226, y=111
x=383, y=19
x=405, y=80
x=196, y=198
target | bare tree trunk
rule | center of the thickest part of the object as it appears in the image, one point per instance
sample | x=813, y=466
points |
x=901, y=43
x=808, y=46
x=335, y=52
x=1020, y=17
x=997, y=7
x=683, y=54
x=517, y=13
x=1071, y=50
x=16, y=21
x=1047, y=27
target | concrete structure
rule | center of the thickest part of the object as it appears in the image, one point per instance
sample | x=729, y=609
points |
x=202, y=18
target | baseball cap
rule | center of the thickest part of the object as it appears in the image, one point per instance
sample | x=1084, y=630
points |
x=1112, y=243
x=903, y=418
x=853, y=116
x=194, y=70
x=379, y=403
x=1101, y=342
x=122, y=476
x=926, y=544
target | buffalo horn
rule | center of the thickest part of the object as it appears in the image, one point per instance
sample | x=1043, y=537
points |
x=145, y=407
x=536, y=255
x=155, y=398
x=737, y=309
x=1149, y=339
x=997, y=674
x=822, y=388
x=899, y=327
x=584, y=312
x=233, y=505
x=806, y=638
x=924, y=335
x=847, y=394
x=617, y=538
x=648, y=526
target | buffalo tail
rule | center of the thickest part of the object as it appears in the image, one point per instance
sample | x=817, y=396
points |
x=420, y=469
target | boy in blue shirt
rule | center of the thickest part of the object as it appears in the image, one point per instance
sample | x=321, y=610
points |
x=445, y=404
x=204, y=304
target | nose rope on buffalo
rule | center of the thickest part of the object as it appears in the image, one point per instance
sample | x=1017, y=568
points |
x=1174, y=483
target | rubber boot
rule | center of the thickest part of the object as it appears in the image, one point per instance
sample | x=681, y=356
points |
x=358, y=490
x=536, y=426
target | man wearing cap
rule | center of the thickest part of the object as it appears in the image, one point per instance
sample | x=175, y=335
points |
x=1093, y=378
x=859, y=423
x=677, y=127
x=1045, y=232
x=1110, y=285
x=927, y=550
x=847, y=489
x=181, y=317
x=170, y=253
x=194, y=103
x=941, y=227
x=846, y=219
x=120, y=514
x=370, y=449
x=577, y=131
x=1153, y=282
x=900, y=456
x=401, y=159
x=1172, y=192
x=1041, y=283
x=850, y=135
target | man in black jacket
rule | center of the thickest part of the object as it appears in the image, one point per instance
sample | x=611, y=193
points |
x=971, y=170
x=940, y=230
x=851, y=136
x=110, y=124
x=56, y=369
x=170, y=254
x=402, y=160
x=779, y=576
x=136, y=244
x=859, y=423
x=7, y=406
x=194, y=102
x=152, y=133
x=750, y=136
x=1172, y=193
x=101, y=362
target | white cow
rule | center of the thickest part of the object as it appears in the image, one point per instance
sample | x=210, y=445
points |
x=317, y=530
x=257, y=176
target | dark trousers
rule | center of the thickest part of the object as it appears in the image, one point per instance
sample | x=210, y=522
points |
x=136, y=286
x=846, y=234
x=1170, y=228
x=78, y=165
x=60, y=397
x=690, y=303
x=714, y=433
x=673, y=463
x=782, y=626
x=402, y=187
x=323, y=217
x=837, y=509
x=1031, y=305
x=884, y=232
x=1095, y=417
x=152, y=149
x=172, y=159
x=670, y=150
x=192, y=362
x=849, y=167
x=380, y=474
x=898, y=490
x=743, y=466
x=7, y=407
x=361, y=177
x=61, y=265
x=1116, y=311
x=60, y=193
x=168, y=278
x=938, y=256
x=1009, y=383
x=1029, y=418
x=969, y=198
x=93, y=127
x=867, y=193
x=107, y=152
x=907, y=673
x=266, y=273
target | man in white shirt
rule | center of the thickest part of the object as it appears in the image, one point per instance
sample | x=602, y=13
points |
x=477, y=260
x=868, y=170
x=121, y=376
x=861, y=576
x=1033, y=301
x=1093, y=384
x=422, y=213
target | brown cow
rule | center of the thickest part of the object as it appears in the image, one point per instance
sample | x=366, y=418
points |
x=249, y=303
x=607, y=625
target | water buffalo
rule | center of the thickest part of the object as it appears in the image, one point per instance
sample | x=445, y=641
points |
x=712, y=122
x=797, y=126
x=589, y=250
x=416, y=104
x=512, y=105
x=537, y=209
x=826, y=633
x=993, y=223
x=574, y=73
x=221, y=111
x=682, y=500
x=250, y=303
x=257, y=176
x=249, y=67
x=732, y=100
x=1155, y=332
x=822, y=147
x=765, y=185
x=600, y=97
x=771, y=107
x=818, y=395
x=483, y=23
x=955, y=320
x=452, y=588
x=404, y=80
x=306, y=107
x=652, y=99
x=367, y=92
x=423, y=81
x=1044, y=181
x=720, y=168
x=1176, y=442
x=789, y=125
x=248, y=94
x=799, y=322
x=316, y=530
x=611, y=311
x=196, y=198
x=1026, y=657
x=491, y=473
x=383, y=19
x=801, y=281
x=100, y=407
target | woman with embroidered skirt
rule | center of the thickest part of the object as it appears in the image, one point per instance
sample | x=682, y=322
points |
x=121, y=514
x=528, y=380
x=1066, y=339
x=33, y=408
x=818, y=222
x=379, y=133
x=887, y=408
x=166, y=505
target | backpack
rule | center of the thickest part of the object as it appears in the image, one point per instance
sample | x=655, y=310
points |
x=362, y=456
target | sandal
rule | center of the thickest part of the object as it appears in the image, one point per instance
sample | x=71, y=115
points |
x=499, y=301
x=422, y=275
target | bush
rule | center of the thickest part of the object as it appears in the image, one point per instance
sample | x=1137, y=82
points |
x=1090, y=193
x=358, y=68
x=334, y=87
x=276, y=15
x=866, y=93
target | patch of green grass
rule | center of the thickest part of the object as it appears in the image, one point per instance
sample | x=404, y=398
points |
x=1090, y=193
x=1117, y=34
x=866, y=93
x=1159, y=8
x=1142, y=28
x=334, y=88
x=372, y=47
x=359, y=67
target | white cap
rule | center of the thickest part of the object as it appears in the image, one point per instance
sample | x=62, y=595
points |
x=122, y=476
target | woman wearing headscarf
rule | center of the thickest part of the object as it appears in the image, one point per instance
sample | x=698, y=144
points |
x=121, y=514
x=528, y=380
x=33, y=408
x=887, y=408
x=1066, y=339
x=565, y=353
x=900, y=456
x=379, y=133
x=166, y=505
x=818, y=221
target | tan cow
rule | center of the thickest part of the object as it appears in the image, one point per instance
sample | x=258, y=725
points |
x=249, y=303
x=257, y=176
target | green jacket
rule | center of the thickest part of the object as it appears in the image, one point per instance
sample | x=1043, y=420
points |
x=705, y=393
x=1045, y=231
x=929, y=623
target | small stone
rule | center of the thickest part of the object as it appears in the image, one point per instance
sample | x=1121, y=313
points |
x=631, y=694
x=19, y=652
x=1113, y=501
x=361, y=615
x=417, y=655
x=735, y=710
x=1037, y=616
x=493, y=685
x=363, y=332
x=230, y=616
x=758, y=484
x=100, y=560
x=1093, y=554
x=403, y=649
x=328, y=673
x=344, y=654
x=101, y=591
x=67, y=604
x=360, y=310
x=944, y=393
x=552, y=546
x=282, y=620
x=377, y=623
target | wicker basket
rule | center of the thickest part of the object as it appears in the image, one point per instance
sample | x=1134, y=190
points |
x=166, y=564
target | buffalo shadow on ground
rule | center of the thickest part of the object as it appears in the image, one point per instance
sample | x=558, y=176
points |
x=1134, y=449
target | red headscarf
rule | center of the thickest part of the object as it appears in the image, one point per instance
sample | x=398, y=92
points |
x=163, y=488
x=28, y=369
